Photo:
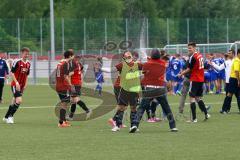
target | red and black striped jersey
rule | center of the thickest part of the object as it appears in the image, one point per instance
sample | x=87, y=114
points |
x=61, y=71
x=76, y=78
x=196, y=64
x=21, y=70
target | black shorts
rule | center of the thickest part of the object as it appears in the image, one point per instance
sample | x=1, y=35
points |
x=126, y=98
x=76, y=92
x=64, y=96
x=15, y=92
x=196, y=89
x=233, y=86
x=116, y=92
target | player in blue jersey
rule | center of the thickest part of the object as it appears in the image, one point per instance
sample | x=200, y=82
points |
x=214, y=73
x=98, y=75
x=177, y=67
x=169, y=77
x=219, y=74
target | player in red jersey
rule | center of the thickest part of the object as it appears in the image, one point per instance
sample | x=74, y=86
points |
x=196, y=69
x=76, y=81
x=20, y=71
x=63, y=86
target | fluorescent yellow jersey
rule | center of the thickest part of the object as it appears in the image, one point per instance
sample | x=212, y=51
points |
x=235, y=67
x=130, y=78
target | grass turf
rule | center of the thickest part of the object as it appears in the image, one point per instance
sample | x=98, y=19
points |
x=36, y=135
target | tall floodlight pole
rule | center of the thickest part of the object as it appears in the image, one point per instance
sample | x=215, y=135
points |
x=52, y=52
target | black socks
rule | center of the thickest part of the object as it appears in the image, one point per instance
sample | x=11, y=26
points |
x=202, y=106
x=193, y=109
x=12, y=110
x=62, y=115
x=83, y=106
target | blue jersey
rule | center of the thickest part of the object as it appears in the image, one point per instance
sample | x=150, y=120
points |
x=169, y=69
x=177, y=66
x=3, y=69
x=217, y=61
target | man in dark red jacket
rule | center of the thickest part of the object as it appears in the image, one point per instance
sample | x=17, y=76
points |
x=154, y=87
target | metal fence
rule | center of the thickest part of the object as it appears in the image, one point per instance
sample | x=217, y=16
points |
x=90, y=35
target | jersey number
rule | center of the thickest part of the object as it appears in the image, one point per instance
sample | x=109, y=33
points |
x=175, y=67
x=201, y=63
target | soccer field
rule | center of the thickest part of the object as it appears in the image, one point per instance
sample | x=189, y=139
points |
x=35, y=134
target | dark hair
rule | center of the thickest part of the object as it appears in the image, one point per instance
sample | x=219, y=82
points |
x=67, y=54
x=177, y=55
x=211, y=54
x=192, y=44
x=25, y=49
x=71, y=51
x=165, y=57
x=155, y=54
x=135, y=54
x=162, y=53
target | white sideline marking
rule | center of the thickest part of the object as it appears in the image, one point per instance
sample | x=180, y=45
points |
x=94, y=105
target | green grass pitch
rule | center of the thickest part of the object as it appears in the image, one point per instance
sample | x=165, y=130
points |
x=35, y=135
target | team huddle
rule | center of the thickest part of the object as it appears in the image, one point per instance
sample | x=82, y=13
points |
x=142, y=86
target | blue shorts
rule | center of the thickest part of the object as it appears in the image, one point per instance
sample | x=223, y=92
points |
x=177, y=79
x=221, y=75
x=207, y=77
x=169, y=77
x=213, y=75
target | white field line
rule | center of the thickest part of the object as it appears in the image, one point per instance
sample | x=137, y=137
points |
x=94, y=105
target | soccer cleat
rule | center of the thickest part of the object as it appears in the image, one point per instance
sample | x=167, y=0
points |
x=5, y=120
x=156, y=119
x=151, y=120
x=207, y=116
x=174, y=130
x=210, y=92
x=69, y=118
x=194, y=121
x=10, y=120
x=64, y=124
x=223, y=112
x=112, y=122
x=133, y=129
x=89, y=113
x=115, y=129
